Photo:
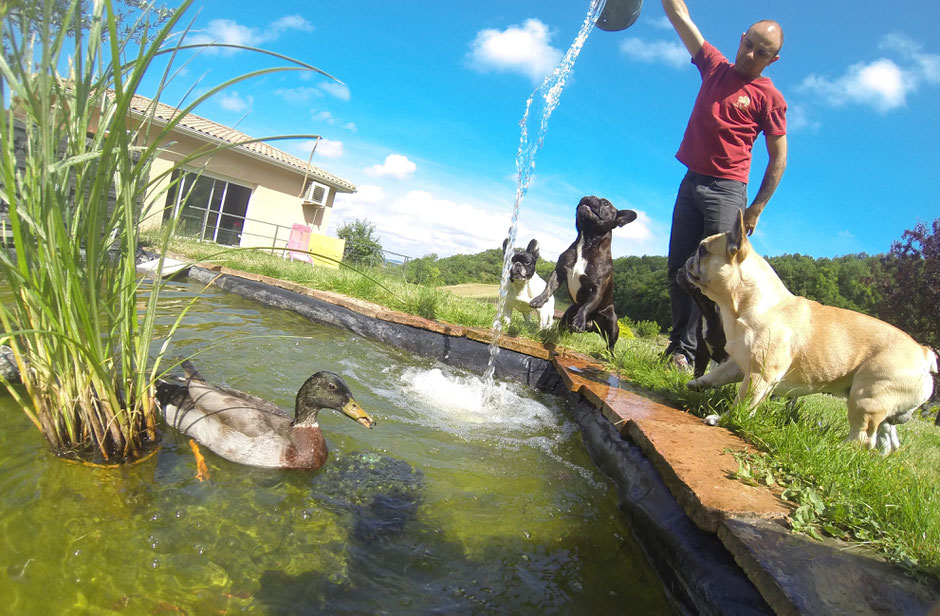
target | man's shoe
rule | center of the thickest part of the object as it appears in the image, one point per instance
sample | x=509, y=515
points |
x=680, y=362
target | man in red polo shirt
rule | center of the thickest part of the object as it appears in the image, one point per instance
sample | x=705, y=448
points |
x=734, y=105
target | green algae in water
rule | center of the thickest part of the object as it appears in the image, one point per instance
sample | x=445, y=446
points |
x=442, y=507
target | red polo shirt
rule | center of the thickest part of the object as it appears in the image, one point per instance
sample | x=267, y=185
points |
x=729, y=112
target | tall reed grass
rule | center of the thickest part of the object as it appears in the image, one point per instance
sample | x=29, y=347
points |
x=75, y=176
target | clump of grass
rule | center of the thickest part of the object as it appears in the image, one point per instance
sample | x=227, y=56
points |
x=891, y=503
x=73, y=209
x=425, y=303
x=75, y=174
x=647, y=329
x=626, y=328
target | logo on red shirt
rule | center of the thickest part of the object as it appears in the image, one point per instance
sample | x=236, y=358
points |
x=742, y=102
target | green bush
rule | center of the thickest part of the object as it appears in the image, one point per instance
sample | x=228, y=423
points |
x=647, y=329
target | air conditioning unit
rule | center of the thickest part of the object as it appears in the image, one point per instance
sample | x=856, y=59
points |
x=316, y=194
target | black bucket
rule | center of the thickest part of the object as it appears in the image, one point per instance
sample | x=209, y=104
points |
x=619, y=14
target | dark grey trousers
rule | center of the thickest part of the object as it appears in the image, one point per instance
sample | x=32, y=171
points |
x=704, y=206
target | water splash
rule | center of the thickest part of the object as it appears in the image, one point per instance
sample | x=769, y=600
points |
x=451, y=401
x=545, y=99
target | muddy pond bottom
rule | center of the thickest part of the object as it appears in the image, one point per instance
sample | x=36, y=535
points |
x=446, y=506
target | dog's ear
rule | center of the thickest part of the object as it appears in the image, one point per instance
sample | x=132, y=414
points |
x=738, y=244
x=533, y=247
x=625, y=217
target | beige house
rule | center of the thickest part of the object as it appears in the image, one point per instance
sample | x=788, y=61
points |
x=248, y=195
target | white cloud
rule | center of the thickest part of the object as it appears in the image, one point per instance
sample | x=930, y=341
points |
x=368, y=194
x=336, y=90
x=228, y=32
x=329, y=149
x=452, y=226
x=656, y=52
x=518, y=49
x=881, y=84
x=303, y=95
x=329, y=119
x=396, y=166
x=298, y=95
x=233, y=33
x=301, y=149
x=444, y=212
x=447, y=227
x=798, y=118
x=289, y=22
x=926, y=66
x=662, y=23
x=233, y=101
x=326, y=148
x=885, y=83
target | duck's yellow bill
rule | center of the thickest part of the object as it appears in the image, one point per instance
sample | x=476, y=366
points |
x=353, y=410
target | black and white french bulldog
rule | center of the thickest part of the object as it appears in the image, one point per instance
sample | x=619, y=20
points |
x=588, y=268
x=525, y=284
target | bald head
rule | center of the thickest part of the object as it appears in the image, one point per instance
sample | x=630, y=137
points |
x=758, y=49
x=770, y=31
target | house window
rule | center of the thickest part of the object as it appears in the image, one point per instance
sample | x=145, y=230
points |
x=212, y=209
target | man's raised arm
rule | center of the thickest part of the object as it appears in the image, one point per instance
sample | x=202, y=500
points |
x=678, y=14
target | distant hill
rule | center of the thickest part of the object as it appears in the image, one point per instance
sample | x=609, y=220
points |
x=641, y=290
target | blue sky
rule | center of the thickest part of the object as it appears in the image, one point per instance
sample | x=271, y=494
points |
x=426, y=124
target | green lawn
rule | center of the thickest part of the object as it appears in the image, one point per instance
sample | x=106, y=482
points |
x=485, y=292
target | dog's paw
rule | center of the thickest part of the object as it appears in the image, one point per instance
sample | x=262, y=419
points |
x=538, y=302
x=711, y=420
x=887, y=439
x=696, y=384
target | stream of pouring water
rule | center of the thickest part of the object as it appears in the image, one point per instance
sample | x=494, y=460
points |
x=545, y=99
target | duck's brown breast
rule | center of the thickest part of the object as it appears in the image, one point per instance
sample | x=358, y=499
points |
x=307, y=448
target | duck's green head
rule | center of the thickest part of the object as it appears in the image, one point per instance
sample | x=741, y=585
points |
x=326, y=390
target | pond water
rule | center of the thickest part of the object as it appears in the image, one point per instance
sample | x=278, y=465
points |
x=441, y=508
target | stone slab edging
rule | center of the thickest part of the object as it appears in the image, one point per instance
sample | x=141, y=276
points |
x=692, y=462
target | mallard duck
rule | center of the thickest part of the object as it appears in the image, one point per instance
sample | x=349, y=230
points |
x=250, y=430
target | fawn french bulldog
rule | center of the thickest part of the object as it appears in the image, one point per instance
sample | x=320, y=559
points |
x=788, y=345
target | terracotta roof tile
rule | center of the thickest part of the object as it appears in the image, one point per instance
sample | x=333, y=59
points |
x=214, y=131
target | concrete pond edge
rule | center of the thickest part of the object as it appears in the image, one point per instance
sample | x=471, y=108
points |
x=710, y=561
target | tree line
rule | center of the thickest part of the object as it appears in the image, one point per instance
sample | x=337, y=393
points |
x=901, y=287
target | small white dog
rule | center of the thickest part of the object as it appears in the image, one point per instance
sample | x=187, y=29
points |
x=792, y=346
x=525, y=284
